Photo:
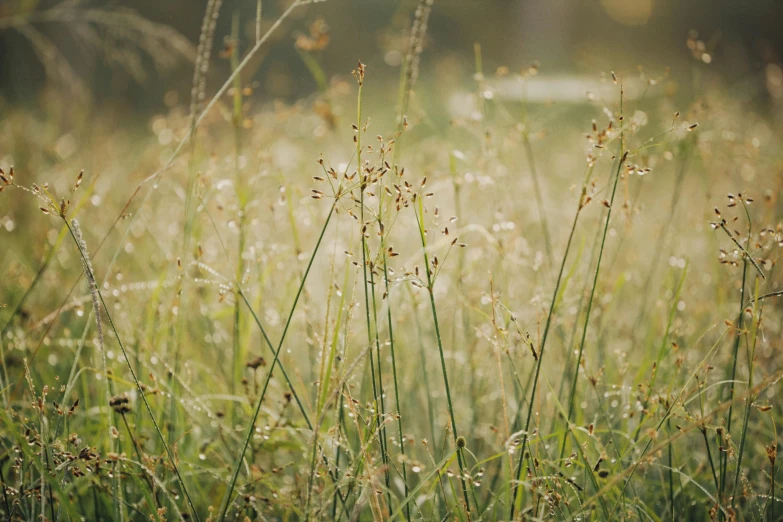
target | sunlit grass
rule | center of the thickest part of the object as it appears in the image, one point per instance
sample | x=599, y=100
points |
x=283, y=312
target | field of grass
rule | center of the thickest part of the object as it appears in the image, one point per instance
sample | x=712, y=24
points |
x=346, y=308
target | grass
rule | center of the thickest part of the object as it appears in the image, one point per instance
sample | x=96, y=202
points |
x=320, y=318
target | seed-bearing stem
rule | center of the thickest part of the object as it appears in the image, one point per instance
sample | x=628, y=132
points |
x=734, y=357
x=590, y=303
x=133, y=374
x=526, y=433
x=377, y=395
x=751, y=353
x=419, y=210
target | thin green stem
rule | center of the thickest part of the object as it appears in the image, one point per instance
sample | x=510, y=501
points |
x=732, y=379
x=751, y=349
x=135, y=379
x=227, y=496
x=378, y=402
x=539, y=358
x=430, y=291
x=396, y=389
x=571, y=399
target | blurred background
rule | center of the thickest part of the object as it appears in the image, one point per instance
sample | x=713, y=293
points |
x=742, y=42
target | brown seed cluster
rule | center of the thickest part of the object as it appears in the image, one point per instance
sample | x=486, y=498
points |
x=120, y=404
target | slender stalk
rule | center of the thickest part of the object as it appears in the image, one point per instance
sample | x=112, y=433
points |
x=323, y=382
x=424, y=373
x=238, y=355
x=377, y=396
x=396, y=390
x=382, y=409
x=312, y=472
x=735, y=357
x=340, y=422
x=569, y=352
x=590, y=302
x=539, y=358
x=341, y=426
x=137, y=448
x=751, y=349
x=227, y=496
x=135, y=379
x=703, y=430
x=430, y=290
x=670, y=470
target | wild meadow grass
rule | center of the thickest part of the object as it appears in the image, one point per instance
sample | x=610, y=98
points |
x=270, y=311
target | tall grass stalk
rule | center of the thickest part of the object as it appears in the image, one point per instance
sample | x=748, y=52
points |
x=539, y=357
x=226, y=502
x=408, y=75
x=397, y=403
x=542, y=346
x=236, y=120
x=91, y=275
x=369, y=286
x=751, y=338
x=93, y=286
x=732, y=379
x=418, y=207
x=327, y=358
x=198, y=94
x=340, y=417
x=734, y=358
x=390, y=324
x=572, y=395
x=381, y=395
x=566, y=375
x=703, y=429
x=424, y=372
